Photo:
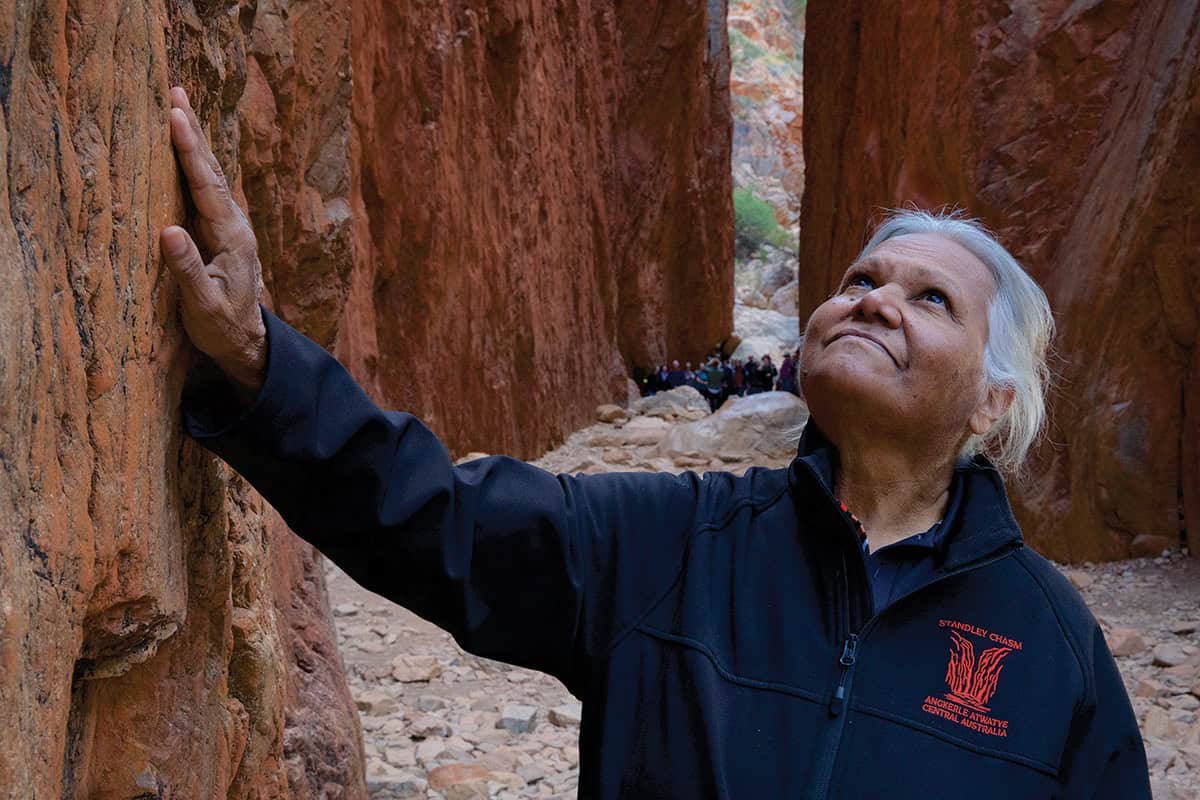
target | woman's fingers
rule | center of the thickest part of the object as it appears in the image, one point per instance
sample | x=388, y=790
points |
x=183, y=258
x=206, y=181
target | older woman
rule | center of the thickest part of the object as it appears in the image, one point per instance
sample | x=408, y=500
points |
x=865, y=623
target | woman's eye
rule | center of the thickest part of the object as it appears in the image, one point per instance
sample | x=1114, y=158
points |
x=937, y=297
x=860, y=280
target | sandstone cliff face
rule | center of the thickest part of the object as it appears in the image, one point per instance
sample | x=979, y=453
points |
x=1070, y=129
x=545, y=203
x=160, y=633
x=477, y=206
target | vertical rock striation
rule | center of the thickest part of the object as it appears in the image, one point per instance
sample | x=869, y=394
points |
x=475, y=204
x=545, y=202
x=158, y=636
x=1070, y=129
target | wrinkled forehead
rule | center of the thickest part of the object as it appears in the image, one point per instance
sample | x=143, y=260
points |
x=929, y=257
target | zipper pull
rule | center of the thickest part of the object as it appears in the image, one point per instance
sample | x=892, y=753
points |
x=849, y=651
x=849, y=656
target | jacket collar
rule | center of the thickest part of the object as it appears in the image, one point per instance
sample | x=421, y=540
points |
x=982, y=525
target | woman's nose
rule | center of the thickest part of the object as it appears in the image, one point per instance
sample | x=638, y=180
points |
x=881, y=304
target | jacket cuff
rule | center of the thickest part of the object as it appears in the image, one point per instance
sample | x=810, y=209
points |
x=210, y=406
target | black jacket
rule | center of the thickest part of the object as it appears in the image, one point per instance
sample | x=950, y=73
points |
x=719, y=630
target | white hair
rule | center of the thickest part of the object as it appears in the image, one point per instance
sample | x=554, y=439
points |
x=1020, y=327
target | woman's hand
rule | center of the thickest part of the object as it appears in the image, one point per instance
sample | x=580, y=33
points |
x=219, y=299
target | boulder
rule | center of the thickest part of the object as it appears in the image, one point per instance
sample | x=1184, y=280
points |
x=1039, y=119
x=784, y=300
x=778, y=271
x=767, y=423
x=643, y=431
x=765, y=332
x=753, y=298
x=610, y=413
x=681, y=402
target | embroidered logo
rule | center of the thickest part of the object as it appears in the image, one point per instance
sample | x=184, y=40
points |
x=972, y=679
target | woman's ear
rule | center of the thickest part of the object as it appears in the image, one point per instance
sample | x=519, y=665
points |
x=993, y=407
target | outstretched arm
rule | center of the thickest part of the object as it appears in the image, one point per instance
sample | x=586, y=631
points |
x=518, y=564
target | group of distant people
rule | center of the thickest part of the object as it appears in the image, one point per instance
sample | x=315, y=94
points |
x=719, y=378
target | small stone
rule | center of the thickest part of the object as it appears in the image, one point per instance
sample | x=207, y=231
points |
x=375, y=703
x=430, y=702
x=566, y=716
x=447, y=775
x=1125, y=642
x=531, y=773
x=517, y=718
x=1148, y=687
x=503, y=759
x=429, y=750
x=1184, y=627
x=400, y=756
x=1185, y=673
x=505, y=780
x=1157, y=723
x=1186, y=702
x=429, y=726
x=1169, y=655
x=485, y=703
x=687, y=462
x=395, y=784
x=415, y=669
x=1159, y=756
x=345, y=610
x=615, y=455
x=1079, y=579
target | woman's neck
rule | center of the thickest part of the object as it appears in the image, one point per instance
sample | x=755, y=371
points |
x=894, y=495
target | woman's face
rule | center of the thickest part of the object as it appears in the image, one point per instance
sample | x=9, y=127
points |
x=898, y=350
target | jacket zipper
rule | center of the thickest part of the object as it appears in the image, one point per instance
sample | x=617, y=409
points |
x=848, y=660
x=850, y=645
x=849, y=656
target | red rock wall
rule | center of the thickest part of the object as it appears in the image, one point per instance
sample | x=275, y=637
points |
x=545, y=203
x=160, y=632
x=1069, y=128
x=478, y=205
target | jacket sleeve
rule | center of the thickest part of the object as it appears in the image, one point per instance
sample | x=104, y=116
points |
x=519, y=565
x=1105, y=758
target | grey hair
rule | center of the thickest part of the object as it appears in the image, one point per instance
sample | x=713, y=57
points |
x=1020, y=329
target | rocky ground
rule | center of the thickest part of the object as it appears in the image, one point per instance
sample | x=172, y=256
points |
x=441, y=723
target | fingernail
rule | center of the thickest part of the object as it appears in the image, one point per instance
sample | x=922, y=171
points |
x=175, y=241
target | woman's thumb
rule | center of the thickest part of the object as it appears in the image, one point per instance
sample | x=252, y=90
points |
x=183, y=258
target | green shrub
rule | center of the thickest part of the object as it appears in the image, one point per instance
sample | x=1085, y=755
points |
x=754, y=224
